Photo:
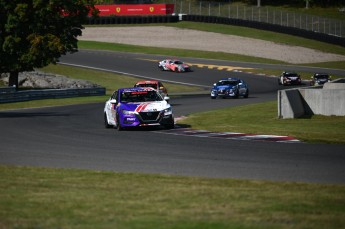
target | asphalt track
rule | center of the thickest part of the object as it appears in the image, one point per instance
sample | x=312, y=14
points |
x=74, y=136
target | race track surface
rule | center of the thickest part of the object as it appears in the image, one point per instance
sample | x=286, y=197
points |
x=74, y=136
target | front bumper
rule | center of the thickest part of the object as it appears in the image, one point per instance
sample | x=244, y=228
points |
x=146, y=119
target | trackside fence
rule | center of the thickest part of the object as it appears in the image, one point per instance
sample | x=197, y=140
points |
x=264, y=14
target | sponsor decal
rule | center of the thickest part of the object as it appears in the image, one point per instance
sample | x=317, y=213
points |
x=118, y=9
x=152, y=9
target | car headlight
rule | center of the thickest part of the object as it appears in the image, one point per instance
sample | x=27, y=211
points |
x=168, y=111
x=126, y=112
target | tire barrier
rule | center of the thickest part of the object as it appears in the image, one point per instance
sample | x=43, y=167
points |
x=266, y=26
x=132, y=19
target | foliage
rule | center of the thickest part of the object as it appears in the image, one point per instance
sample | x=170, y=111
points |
x=35, y=33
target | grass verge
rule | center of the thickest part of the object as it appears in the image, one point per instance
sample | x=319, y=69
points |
x=317, y=128
x=66, y=198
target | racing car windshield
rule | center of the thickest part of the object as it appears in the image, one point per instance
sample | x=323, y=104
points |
x=321, y=76
x=140, y=96
x=178, y=62
x=147, y=85
x=227, y=82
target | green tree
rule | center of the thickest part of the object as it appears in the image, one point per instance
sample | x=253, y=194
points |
x=35, y=33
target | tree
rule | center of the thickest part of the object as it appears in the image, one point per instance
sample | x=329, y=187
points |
x=35, y=33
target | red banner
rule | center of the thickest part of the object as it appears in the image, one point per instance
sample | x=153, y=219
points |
x=135, y=9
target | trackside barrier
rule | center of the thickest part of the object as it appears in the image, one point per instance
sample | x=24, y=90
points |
x=327, y=100
x=20, y=96
x=132, y=19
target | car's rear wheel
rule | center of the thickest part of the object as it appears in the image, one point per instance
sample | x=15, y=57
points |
x=106, y=123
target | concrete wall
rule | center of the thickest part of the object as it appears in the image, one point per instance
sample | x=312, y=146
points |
x=329, y=100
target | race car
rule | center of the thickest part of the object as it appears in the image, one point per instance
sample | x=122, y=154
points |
x=230, y=87
x=155, y=84
x=174, y=65
x=136, y=107
x=320, y=79
x=289, y=78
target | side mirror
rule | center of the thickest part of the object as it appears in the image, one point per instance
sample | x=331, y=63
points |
x=166, y=98
x=113, y=101
x=161, y=88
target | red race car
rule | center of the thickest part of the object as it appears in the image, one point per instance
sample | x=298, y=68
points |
x=155, y=84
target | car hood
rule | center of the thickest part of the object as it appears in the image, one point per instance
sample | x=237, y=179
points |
x=145, y=106
x=224, y=87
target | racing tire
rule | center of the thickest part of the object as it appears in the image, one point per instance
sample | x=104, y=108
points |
x=170, y=126
x=118, y=124
x=246, y=95
x=236, y=95
x=176, y=70
x=161, y=68
x=106, y=123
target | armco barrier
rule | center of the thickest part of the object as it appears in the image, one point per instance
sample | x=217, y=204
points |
x=20, y=96
x=327, y=100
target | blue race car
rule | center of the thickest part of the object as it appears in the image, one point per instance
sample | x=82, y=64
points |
x=230, y=87
x=139, y=106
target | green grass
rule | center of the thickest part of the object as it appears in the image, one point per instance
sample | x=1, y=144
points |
x=108, y=80
x=262, y=118
x=66, y=198
x=172, y=52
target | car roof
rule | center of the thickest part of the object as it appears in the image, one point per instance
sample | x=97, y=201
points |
x=321, y=74
x=148, y=82
x=230, y=79
x=136, y=89
x=294, y=73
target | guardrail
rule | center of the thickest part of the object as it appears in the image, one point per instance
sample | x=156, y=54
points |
x=7, y=95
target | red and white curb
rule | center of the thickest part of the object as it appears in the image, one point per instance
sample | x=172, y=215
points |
x=229, y=135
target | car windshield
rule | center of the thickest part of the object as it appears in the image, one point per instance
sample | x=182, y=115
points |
x=321, y=76
x=290, y=74
x=178, y=62
x=227, y=82
x=140, y=96
x=147, y=85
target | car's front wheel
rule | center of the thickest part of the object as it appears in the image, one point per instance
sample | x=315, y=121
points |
x=247, y=94
x=118, y=123
x=106, y=123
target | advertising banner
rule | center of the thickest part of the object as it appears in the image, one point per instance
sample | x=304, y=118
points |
x=135, y=9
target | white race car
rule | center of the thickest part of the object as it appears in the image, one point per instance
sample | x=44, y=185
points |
x=174, y=66
x=139, y=106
